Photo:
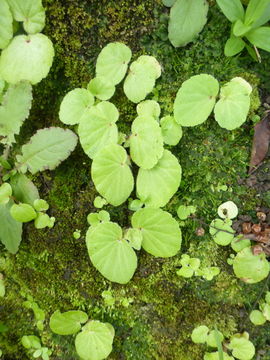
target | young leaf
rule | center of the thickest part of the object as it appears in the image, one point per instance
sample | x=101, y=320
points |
x=160, y=231
x=111, y=174
x=112, y=62
x=239, y=243
x=42, y=220
x=10, y=229
x=171, y=131
x=199, y=334
x=255, y=9
x=242, y=348
x=184, y=212
x=27, y=57
x=24, y=189
x=134, y=236
x=233, y=46
x=260, y=37
x=23, y=212
x=31, y=342
x=95, y=341
x=31, y=12
x=187, y=19
x=14, y=110
x=5, y=193
x=257, y=317
x=232, y=108
x=239, y=28
x=149, y=108
x=101, y=87
x=221, y=232
x=151, y=63
x=99, y=202
x=98, y=128
x=110, y=253
x=212, y=338
x=46, y=149
x=195, y=100
x=41, y=205
x=249, y=267
x=6, y=28
x=140, y=81
x=146, y=142
x=232, y=9
x=156, y=186
x=67, y=323
x=75, y=106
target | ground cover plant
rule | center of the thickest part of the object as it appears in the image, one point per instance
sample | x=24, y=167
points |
x=122, y=246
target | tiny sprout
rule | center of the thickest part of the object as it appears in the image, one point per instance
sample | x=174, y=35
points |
x=77, y=234
x=228, y=210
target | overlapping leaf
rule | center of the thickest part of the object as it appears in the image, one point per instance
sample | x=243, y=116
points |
x=68, y=322
x=101, y=87
x=10, y=229
x=6, y=28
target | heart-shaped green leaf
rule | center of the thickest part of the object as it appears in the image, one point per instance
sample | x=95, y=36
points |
x=67, y=323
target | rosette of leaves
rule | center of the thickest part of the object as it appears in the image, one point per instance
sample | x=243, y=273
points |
x=189, y=266
x=196, y=99
x=247, y=29
x=33, y=345
x=111, y=249
x=94, y=339
x=187, y=19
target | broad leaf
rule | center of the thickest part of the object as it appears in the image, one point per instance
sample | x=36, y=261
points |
x=67, y=323
x=31, y=12
x=23, y=212
x=14, y=110
x=146, y=142
x=265, y=17
x=232, y=9
x=111, y=174
x=75, y=106
x=27, y=57
x=156, y=186
x=112, y=62
x=6, y=28
x=24, y=189
x=98, y=128
x=171, y=131
x=10, y=229
x=233, y=46
x=240, y=29
x=257, y=317
x=260, y=37
x=250, y=268
x=199, y=334
x=149, y=108
x=95, y=341
x=187, y=19
x=239, y=243
x=151, y=64
x=195, y=100
x=139, y=82
x=254, y=11
x=160, y=231
x=110, y=253
x=242, y=348
x=221, y=232
x=101, y=87
x=46, y=149
x=232, y=108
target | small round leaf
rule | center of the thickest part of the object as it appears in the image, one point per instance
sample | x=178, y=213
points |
x=257, y=317
x=23, y=212
x=68, y=322
x=101, y=87
x=171, y=131
x=199, y=334
x=221, y=232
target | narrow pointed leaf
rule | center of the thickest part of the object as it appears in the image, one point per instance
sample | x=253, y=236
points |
x=260, y=37
x=232, y=9
x=233, y=46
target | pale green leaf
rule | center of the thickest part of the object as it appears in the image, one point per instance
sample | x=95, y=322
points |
x=149, y=108
x=134, y=236
x=160, y=231
x=250, y=268
x=67, y=323
x=184, y=211
x=239, y=28
x=111, y=174
x=47, y=149
x=232, y=108
x=242, y=348
x=5, y=193
x=239, y=243
x=30, y=12
x=16, y=104
x=185, y=272
x=267, y=297
x=215, y=356
x=212, y=337
x=43, y=220
x=187, y=19
x=6, y=29
x=112, y=255
x=233, y=46
x=171, y=131
x=146, y=142
x=266, y=311
x=94, y=342
x=254, y=11
x=139, y=82
x=23, y=212
x=156, y=186
x=221, y=232
x=257, y=317
x=195, y=100
x=232, y=9
x=98, y=128
x=27, y=57
x=99, y=202
x=199, y=334
x=260, y=37
x=264, y=18
x=168, y=3
x=75, y=106
x=228, y=210
x=40, y=205
x=24, y=189
x=31, y=342
x=101, y=87
x=151, y=64
x=10, y=229
x=112, y=62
